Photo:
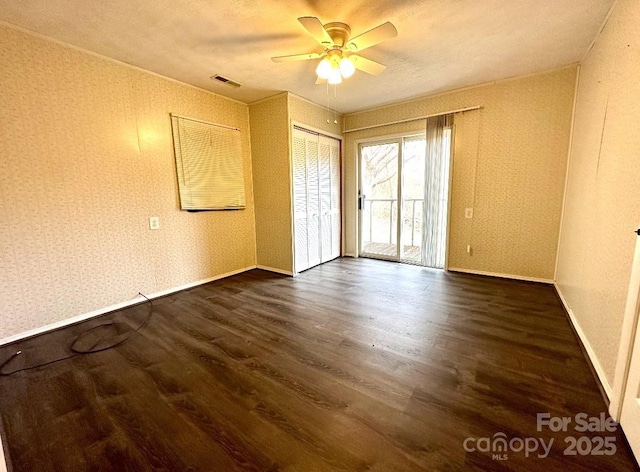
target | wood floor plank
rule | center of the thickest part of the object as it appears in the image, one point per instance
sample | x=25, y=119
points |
x=355, y=365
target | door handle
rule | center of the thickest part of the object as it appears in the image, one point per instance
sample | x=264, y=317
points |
x=361, y=201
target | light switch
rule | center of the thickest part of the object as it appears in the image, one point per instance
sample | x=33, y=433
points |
x=468, y=212
x=154, y=222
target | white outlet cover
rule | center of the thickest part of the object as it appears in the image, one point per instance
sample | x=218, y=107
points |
x=468, y=212
x=154, y=222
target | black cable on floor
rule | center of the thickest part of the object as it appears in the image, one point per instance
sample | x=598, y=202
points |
x=76, y=347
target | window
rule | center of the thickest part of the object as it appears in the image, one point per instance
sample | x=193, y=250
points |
x=209, y=165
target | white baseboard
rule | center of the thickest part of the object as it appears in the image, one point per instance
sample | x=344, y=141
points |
x=502, y=276
x=277, y=271
x=587, y=346
x=117, y=306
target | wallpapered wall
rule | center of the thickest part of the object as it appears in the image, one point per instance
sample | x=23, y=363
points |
x=602, y=207
x=314, y=116
x=87, y=157
x=272, y=182
x=509, y=165
x=270, y=146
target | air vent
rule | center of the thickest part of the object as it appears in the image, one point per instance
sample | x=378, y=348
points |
x=225, y=81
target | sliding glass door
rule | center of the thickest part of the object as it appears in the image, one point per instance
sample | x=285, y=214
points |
x=403, y=199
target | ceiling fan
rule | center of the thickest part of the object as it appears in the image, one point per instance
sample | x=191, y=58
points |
x=341, y=54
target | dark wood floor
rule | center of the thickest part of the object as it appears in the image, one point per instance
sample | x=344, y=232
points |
x=357, y=365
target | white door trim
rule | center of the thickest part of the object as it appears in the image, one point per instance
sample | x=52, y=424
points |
x=627, y=339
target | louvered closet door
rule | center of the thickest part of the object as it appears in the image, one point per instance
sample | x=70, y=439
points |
x=313, y=208
x=301, y=261
x=316, y=194
x=336, y=214
x=324, y=157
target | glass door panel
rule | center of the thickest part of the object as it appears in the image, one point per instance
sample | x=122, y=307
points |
x=413, y=191
x=379, y=200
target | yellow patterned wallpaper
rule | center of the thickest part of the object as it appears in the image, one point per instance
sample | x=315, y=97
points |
x=509, y=164
x=602, y=207
x=314, y=116
x=272, y=182
x=87, y=158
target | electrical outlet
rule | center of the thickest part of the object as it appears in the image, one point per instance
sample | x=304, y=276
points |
x=154, y=222
x=468, y=212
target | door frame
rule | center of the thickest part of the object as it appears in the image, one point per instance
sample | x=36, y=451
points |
x=319, y=131
x=628, y=337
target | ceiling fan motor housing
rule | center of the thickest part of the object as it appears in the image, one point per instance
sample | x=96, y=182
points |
x=339, y=32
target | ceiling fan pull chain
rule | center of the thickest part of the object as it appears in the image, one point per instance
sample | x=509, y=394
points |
x=328, y=109
x=335, y=104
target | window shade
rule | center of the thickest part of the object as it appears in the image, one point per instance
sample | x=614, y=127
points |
x=209, y=165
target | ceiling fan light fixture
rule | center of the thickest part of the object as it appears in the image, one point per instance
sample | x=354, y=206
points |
x=324, y=68
x=335, y=77
x=346, y=67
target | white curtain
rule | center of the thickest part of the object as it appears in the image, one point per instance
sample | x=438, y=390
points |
x=437, y=189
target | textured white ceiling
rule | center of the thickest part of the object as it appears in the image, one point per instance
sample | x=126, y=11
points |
x=441, y=44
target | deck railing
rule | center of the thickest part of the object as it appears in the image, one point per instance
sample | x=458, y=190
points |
x=386, y=208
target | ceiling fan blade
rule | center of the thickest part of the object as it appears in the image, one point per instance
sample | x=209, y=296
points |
x=367, y=65
x=315, y=28
x=297, y=57
x=372, y=37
